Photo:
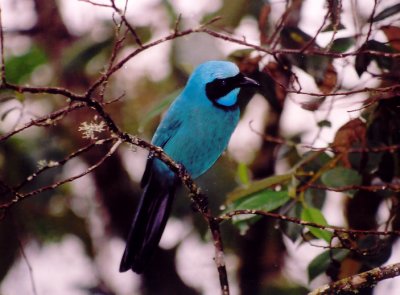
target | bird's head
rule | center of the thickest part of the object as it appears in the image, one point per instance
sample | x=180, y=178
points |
x=219, y=81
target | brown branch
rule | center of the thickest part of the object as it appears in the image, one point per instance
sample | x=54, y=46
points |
x=335, y=19
x=177, y=23
x=2, y=58
x=43, y=120
x=114, y=53
x=144, y=47
x=20, y=196
x=53, y=164
x=313, y=51
x=28, y=264
x=219, y=258
x=96, y=4
x=125, y=21
x=370, y=20
x=40, y=90
x=281, y=23
x=371, y=188
x=312, y=40
x=334, y=229
x=362, y=280
x=279, y=140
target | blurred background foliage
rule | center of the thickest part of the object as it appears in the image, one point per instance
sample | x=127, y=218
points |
x=53, y=43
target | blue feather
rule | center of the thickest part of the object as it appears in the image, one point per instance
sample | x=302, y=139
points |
x=194, y=132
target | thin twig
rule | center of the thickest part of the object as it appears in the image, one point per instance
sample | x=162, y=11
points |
x=370, y=20
x=18, y=197
x=177, y=23
x=311, y=42
x=330, y=228
x=394, y=187
x=44, y=120
x=53, y=164
x=125, y=21
x=367, y=149
x=2, y=58
x=311, y=52
x=28, y=264
x=96, y=4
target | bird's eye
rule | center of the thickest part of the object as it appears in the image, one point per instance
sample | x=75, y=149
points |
x=221, y=87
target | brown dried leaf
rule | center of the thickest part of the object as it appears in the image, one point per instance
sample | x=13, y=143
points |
x=313, y=104
x=263, y=23
x=329, y=81
x=393, y=35
x=353, y=133
x=281, y=77
x=248, y=64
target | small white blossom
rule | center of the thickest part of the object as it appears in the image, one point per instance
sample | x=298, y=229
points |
x=41, y=164
x=44, y=163
x=89, y=130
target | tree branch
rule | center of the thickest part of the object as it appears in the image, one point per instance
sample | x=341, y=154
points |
x=359, y=281
x=17, y=197
x=334, y=229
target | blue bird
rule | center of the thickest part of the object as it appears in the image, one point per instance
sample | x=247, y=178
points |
x=194, y=132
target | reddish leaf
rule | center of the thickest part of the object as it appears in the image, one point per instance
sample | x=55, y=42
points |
x=351, y=134
x=263, y=22
x=393, y=35
x=329, y=80
x=313, y=104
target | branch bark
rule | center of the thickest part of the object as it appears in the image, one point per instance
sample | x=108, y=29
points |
x=359, y=281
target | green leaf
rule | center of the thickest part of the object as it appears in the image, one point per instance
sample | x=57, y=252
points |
x=316, y=66
x=293, y=230
x=266, y=200
x=295, y=38
x=321, y=263
x=243, y=173
x=232, y=11
x=315, y=197
x=19, y=68
x=315, y=215
x=77, y=56
x=341, y=176
x=240, y=54
x=324, y=123
x=387, y=12
x=315, y=160
x=158, y=109
x=257, y=186
x=342, y=44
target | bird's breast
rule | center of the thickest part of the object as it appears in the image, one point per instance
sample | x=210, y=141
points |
x=202, y=138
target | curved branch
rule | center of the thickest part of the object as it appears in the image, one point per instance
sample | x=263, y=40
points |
x=331, y=228
x=20, y=196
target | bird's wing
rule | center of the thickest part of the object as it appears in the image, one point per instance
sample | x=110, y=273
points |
x=165, y=131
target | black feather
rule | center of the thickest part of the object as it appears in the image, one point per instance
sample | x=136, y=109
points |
x=149, y=221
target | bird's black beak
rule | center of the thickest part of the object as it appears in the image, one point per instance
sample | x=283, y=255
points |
x=248, y=82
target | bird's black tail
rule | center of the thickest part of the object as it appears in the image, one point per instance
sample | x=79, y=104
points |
x=148, y=224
